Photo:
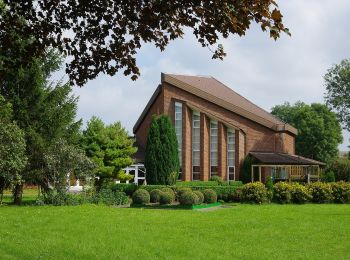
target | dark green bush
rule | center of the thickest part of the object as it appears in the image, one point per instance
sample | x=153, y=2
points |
x=235, y=183
x=170, y=191
x=141, y=197
x=236, y=195
x=320, y=192
x=64, y=199
x=200, y=196
x=255, y=192
x=155, y=195
x=300, y=194
x=341, y=192
x=108, y=197
x=149, y=188
x=166, y=198
x=210, y=196
x=328, y=176
x=188, y=198
x=181, y=190
x=128, y=188
x=218, y=179
x=282, y=192
x=269, y=184
x=196, y=183
x=223, y=192
x=341, y=169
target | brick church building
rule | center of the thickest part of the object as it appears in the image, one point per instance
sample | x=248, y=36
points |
x=217, y=128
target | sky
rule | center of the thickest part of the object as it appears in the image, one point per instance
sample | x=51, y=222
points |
x=265, y=71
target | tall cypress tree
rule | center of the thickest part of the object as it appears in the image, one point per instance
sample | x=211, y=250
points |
x=161, y=160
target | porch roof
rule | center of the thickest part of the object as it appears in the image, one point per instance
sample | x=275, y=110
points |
x=283, y=159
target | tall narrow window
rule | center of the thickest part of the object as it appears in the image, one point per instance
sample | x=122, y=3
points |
x=213, y=148
x=178, y=130
x=231, y=154
x=196, y=146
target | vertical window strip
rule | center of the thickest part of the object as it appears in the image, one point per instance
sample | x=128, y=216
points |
x=178, y=130
x=213, y=148
x=195, y=145
x=231, y=153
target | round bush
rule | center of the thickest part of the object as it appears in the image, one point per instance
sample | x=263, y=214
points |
x=181, y=190
x=236, y=195
x=155, y=195
x=209, y=196
x=170, y=191
x=200, y=196
x=320, y=192
x=141, y=197
x=341, y=192
x=300, y=194
x=166, y=198
x=188, y=198
x=282, y=192
x=255, y=192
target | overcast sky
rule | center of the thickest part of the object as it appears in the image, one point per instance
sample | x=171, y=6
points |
x=264, y=71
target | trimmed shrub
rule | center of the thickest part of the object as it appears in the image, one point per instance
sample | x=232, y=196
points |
x=269, y=184
x=196, y=183
x=128, y=188
x=341, y=192
x=210, y=196
x=170, y=191
x=300, y=194
x=149, y=188
x=320, y=192
x=155, y=195
x=282, y=192
x=236, y=195
x=235, y=183
x=166, y=198
x=188, y=198
x=218, y=180
x=223, y=192
x=141, y=197
x=200, y=196
x=255, y=192
x=328, y=176
x=181, y=190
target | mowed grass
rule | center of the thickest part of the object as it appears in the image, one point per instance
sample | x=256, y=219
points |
x=243, y=231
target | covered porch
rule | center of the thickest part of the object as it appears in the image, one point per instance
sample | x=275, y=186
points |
x=284, y=167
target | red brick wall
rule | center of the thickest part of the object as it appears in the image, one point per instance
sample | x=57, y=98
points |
x=250, y=136
x=157, y=108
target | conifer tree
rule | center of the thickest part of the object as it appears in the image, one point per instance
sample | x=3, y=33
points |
x=161, y=160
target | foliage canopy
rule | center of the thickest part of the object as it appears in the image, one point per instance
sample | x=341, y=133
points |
x=319, y=131
x=105, y=36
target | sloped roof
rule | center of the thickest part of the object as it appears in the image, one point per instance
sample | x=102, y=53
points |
x=283, y=159
x=216, y=92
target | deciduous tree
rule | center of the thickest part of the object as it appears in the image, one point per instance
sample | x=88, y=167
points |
x=319, y=131
x=105, y=36
x=337, y=81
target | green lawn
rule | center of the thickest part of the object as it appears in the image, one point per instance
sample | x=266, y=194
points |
x=243, y=231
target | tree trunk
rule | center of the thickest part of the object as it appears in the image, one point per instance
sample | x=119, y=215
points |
x=17, y=194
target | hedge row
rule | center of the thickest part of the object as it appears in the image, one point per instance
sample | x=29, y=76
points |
x=225, y=193
x=282, y=192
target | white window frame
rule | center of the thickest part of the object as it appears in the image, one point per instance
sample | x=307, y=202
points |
x=196, y=113
x=217, y=146
x=179, y=135
x=231, y=131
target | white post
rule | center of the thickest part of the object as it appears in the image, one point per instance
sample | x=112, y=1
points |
x=78, y=182
x=136, y=177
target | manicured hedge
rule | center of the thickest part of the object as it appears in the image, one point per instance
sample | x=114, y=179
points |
x=128, y=188
x=196, y=183
x=223, y=192
x=140, y=197
x=255, y=192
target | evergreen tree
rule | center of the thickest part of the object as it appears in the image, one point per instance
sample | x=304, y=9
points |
x=109, y=147
x=162, y=159
x=44, y=110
